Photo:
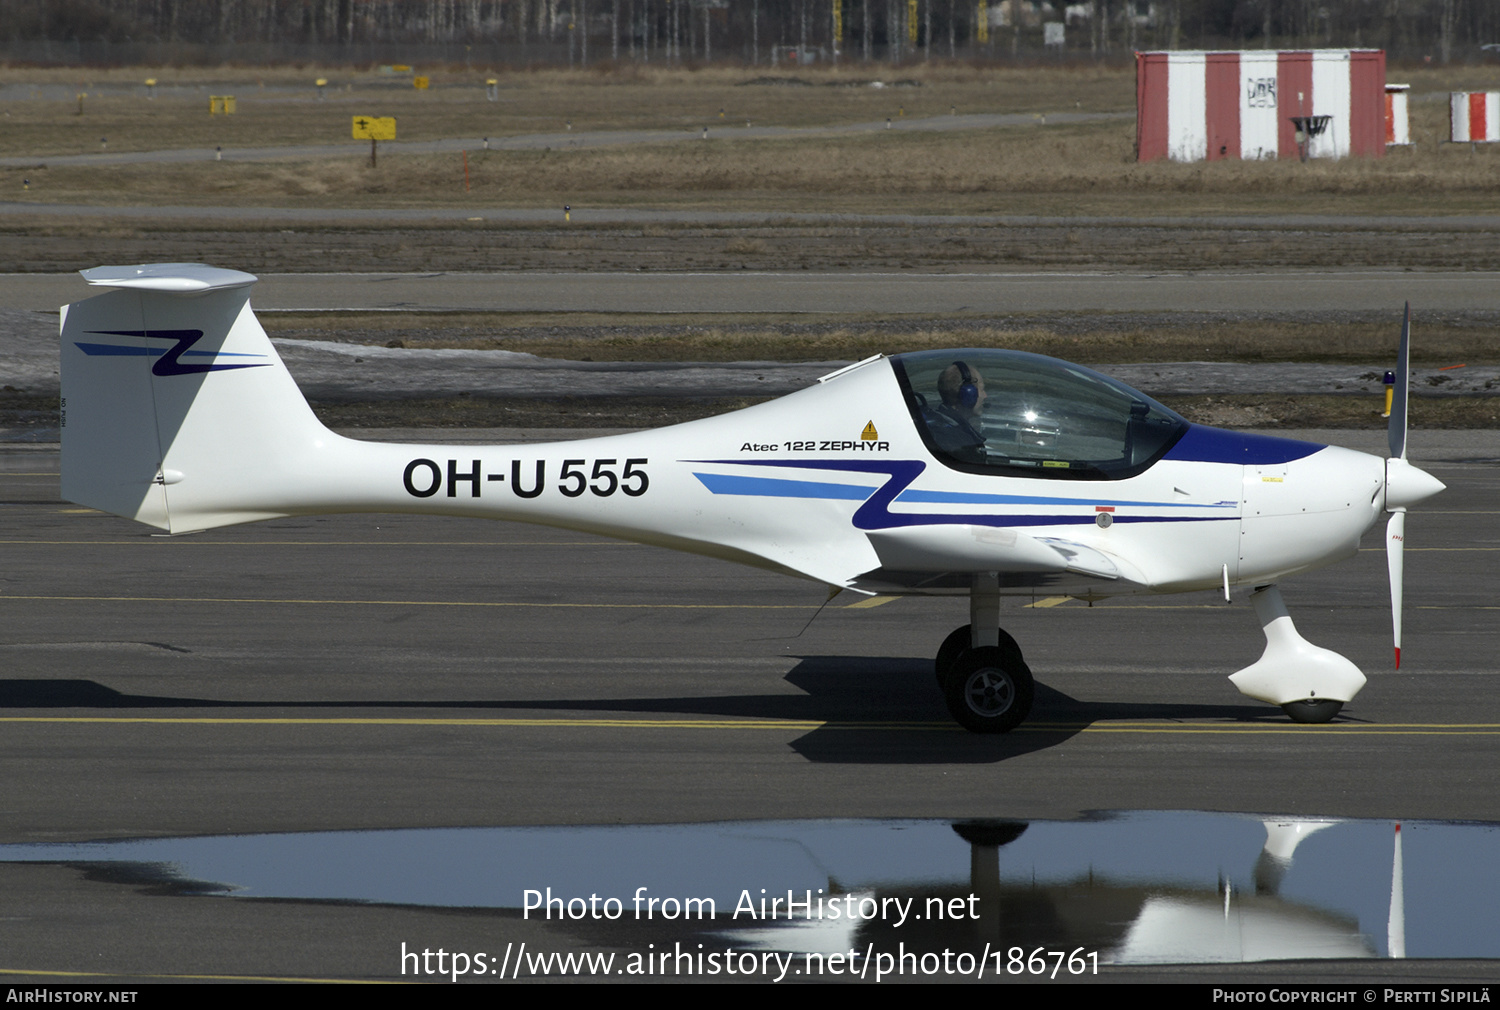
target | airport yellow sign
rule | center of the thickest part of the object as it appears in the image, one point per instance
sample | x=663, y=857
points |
x=374, y=127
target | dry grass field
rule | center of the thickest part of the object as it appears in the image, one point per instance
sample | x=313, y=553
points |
x=1039, y=168
x=283, y=107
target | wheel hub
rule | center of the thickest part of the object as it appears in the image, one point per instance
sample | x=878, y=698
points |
x=989, y=689
x=990, y=692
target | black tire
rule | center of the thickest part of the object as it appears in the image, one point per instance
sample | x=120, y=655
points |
x=957, y=643
x=989, y=690
x=1312, y=710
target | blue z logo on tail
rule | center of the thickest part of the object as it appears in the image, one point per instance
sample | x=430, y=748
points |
x=169, y=363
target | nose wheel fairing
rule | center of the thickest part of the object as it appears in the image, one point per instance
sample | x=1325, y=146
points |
x=1292, y=669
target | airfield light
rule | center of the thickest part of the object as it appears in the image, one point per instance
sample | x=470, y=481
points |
x=1390, y=392
x=567, y=212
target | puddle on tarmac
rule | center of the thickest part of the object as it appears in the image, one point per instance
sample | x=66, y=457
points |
x=1135, y=887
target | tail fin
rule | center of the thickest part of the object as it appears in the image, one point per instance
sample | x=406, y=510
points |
x=175, y=406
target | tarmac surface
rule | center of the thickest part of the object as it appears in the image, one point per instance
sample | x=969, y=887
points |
x=380, y=672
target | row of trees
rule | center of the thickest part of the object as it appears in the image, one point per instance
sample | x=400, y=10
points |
x=755, y=31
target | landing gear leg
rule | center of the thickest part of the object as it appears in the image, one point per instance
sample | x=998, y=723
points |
x=985, y=682
x=984, y=610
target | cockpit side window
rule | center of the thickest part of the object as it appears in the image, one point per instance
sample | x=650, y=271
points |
x=992, y=411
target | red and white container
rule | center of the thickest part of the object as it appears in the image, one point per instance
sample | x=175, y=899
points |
x=1192, y=106
x=1474, y=116
x=1397, y=128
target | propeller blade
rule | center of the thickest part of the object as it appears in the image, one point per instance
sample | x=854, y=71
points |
x=1395, y=538
x=1396, y=427
x=1404, y=484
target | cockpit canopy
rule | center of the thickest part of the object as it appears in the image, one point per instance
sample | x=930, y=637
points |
x=994, y=411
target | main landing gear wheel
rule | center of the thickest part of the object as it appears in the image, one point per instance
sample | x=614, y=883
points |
x=989, y=690
x=957, y=644
x=1312, y=710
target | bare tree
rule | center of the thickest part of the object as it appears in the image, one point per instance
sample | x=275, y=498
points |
x=1445, y=29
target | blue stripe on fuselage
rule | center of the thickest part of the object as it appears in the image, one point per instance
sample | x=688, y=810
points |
x=775, y=487
x=975, y=498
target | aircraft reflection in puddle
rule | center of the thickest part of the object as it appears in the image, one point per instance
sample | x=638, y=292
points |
x=1135, y=887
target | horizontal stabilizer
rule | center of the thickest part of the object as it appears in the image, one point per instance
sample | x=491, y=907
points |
x=168, y=278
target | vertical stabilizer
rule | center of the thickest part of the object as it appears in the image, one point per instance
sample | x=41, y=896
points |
x=174, y=402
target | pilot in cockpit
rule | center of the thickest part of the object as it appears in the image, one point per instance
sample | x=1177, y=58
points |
x=957, y=427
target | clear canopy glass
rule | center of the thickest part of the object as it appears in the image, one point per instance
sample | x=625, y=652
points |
x=988, y=411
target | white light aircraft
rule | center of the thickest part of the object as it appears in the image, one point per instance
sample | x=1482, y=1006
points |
x=971, y=472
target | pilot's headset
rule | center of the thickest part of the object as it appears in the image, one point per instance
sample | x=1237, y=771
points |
x=968, y=392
